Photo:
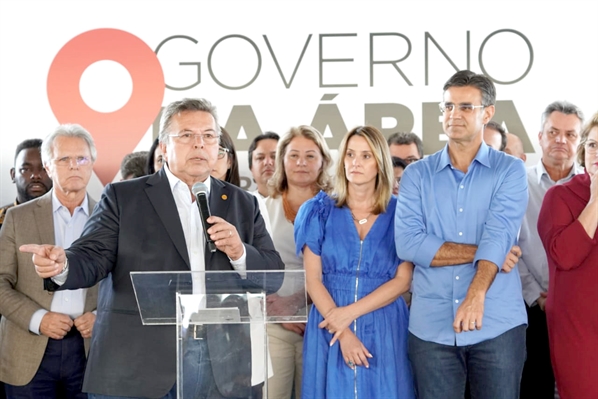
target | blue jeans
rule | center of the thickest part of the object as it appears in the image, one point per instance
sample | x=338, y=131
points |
x=493, y=367
x=198, y=378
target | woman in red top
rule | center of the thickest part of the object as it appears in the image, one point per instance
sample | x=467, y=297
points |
x=568, y=225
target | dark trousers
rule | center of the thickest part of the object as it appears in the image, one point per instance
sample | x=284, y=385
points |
x=60, y=374
x=493, y=367
x=538, y=378
x=198, y=379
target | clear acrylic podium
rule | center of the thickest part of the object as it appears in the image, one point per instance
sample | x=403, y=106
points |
x=223, y=316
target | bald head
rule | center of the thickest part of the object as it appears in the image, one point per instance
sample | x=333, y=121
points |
x=515, y=146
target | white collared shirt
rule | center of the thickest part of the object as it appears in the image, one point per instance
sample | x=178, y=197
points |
x=191, y=223
x=533, y=265
x=67, y=228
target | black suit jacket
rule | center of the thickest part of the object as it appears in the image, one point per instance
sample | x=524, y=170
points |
x=136, y=227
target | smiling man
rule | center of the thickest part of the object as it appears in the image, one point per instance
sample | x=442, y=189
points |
x=457, y=218
x=28, y=174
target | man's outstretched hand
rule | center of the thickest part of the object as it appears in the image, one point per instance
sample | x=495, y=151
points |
x=48, y=259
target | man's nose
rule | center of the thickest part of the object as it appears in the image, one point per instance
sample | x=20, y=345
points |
x=37, y=173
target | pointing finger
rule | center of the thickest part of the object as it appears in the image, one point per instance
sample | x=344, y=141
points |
x=33, y=249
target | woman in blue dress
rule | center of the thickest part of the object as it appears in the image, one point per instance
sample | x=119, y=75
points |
x=356, y=337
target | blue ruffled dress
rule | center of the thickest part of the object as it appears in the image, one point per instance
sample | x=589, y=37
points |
x=351, y=269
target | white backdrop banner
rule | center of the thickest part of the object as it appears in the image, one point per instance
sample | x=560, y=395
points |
x=268, y=65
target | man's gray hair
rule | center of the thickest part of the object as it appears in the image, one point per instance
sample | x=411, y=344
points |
x=67, y=130
x=186, y=104
x=564, y=107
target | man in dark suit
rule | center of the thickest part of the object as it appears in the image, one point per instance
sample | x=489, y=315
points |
x=152, y=224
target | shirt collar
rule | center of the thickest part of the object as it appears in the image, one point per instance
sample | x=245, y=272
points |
x=56, y=204
x=481, y=157
x=541, y=170
x=174, y=181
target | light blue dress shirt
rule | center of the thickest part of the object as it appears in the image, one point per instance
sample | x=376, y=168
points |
x=439, y=203
x=67, y=228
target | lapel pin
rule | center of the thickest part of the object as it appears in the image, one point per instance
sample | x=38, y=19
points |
x=224, y=197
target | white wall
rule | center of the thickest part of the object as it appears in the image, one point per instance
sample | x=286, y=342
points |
x=563, y=37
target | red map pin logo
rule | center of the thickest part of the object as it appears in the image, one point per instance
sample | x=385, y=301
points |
x=115, y=133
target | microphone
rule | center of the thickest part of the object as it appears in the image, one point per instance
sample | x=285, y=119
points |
x=200, y=191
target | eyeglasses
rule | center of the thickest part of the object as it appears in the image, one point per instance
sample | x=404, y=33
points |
x=465, y=108
x=188, y=138
x=222, y=152
x=67, y=161
x=410, y=160
x=591, y=147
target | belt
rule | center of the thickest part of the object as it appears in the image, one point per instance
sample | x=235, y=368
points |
x=199, y=331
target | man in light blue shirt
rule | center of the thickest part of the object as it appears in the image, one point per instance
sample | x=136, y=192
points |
x=43, y=336
x=458, y=214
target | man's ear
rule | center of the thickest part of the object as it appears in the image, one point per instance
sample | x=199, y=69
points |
x=163, y=149
x=488, y=113
x=12, y=174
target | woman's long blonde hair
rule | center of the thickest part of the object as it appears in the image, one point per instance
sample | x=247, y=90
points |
x=385, y=177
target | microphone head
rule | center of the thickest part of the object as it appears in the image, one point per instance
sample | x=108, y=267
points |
x=199, y=187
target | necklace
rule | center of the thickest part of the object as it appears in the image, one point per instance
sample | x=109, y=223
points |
x=361, y=221
x=289, y=213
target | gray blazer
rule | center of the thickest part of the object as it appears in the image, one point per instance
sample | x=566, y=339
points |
x=22, y=290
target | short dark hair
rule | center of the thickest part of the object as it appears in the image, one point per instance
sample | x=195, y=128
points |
x=133, y=164
x=503, y=133
x=232, y=174
x=407, y=138
x=257, y=139
x=27, y=144
x=480, y=82
x=398, y=163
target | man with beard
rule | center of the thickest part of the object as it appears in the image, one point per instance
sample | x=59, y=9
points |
x=31, y=179
x=28, y=174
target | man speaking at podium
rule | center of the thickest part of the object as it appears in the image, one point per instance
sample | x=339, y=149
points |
x=153, y=224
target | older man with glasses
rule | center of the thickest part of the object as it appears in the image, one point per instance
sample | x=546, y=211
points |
x=407, y=146
x=43, y=338
x=152, y=224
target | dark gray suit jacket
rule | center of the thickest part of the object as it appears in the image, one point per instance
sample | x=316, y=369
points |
x=136, y=227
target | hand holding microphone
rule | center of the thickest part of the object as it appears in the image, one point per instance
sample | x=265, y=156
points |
x=218, y=232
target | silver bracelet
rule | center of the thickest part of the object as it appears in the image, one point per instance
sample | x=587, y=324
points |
x=65, y=268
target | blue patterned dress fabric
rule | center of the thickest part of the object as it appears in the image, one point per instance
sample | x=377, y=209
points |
x=352, y=269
